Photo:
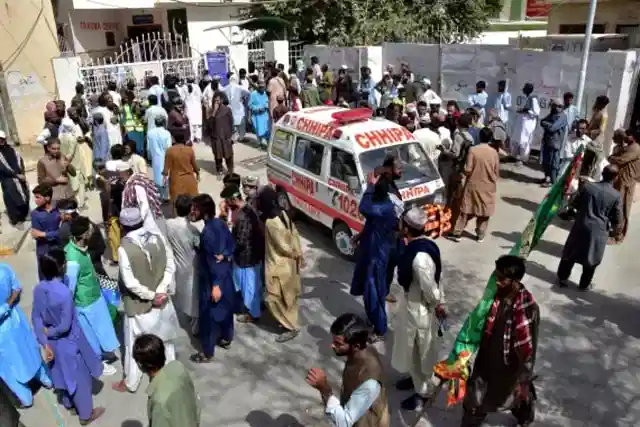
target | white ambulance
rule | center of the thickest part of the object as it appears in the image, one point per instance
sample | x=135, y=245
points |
x=320, y=158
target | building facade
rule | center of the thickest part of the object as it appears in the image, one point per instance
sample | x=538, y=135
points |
x=27, y=43
x=101, y=28
x=612, y=16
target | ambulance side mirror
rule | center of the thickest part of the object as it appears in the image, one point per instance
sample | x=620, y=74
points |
x=354, y=184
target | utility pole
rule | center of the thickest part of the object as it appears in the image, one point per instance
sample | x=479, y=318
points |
x=585, y=54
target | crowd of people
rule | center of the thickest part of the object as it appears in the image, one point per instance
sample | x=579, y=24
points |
x=215, y=264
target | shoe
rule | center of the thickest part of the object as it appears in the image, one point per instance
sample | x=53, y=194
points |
x=224, y=344
x=454, y=238
x=479, y=239
x=287, y=336
x=414, y=403
x=519, y=164
x=97, y=413
x=405, y=384
x=585, y=288
x=108, y=370
x=563, y=283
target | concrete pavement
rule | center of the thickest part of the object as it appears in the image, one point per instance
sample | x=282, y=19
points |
x=589, y=372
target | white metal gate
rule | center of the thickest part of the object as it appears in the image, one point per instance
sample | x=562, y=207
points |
x=151, y=55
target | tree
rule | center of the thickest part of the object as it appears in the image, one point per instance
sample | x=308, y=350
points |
x=368, y=22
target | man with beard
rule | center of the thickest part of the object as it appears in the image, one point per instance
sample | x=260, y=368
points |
x=54, y=170
x=415, y=348
x=248, y=255
x=215, y=279
x=502, y=374
x=250, y=188
x=363, y=396
x=15, y=190
x=381, y=206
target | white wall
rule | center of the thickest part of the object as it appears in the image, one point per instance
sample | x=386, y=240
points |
x=502, y=37
x=201, y=18
x=424, y=59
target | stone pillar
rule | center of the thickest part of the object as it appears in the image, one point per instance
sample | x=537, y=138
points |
x=26, y=72
x=277, y=51
x=238, y=57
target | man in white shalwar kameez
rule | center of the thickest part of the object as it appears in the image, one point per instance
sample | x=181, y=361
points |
x=193, y=108
x=416, y=345
x=524, y=126
x=146, y=273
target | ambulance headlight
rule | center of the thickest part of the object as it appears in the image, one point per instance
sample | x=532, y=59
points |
x=439, y=198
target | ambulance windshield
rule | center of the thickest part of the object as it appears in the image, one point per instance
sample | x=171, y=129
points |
x=417, y=167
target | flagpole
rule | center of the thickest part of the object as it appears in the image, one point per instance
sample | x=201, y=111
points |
x=585, y=54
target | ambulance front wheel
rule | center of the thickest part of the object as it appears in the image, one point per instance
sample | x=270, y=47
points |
x=343, y=240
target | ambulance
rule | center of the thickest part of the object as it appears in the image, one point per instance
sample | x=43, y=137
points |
x=320, y=158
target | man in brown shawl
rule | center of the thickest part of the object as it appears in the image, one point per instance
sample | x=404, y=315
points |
x=627, y=157
x=478, y=200
x=276, y=87
x=54, y=170
x=222, y=134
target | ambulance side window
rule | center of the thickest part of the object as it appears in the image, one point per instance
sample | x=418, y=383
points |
x=282, y=145
x=308, y=155
x=343, y=165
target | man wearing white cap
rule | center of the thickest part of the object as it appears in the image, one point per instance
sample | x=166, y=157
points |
x=430, y=96
x=146, y=274
x=415, y=348
x=14, y=183
x=141, y=192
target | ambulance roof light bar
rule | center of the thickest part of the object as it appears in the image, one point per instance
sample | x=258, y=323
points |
x=352, y=116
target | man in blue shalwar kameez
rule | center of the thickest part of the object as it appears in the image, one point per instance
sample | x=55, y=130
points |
x=215, y=276
x=259, y=107
x=377, y=239
x=248, y=258
x=20, y=360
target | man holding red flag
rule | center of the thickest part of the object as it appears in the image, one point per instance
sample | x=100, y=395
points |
x=503, y=370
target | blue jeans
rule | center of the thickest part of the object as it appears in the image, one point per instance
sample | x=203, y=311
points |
x=551, y=163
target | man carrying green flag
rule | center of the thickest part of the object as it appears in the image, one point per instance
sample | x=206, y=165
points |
x=503, y=370
x=474, y=332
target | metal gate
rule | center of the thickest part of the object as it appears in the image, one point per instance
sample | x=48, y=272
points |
x=154, y=54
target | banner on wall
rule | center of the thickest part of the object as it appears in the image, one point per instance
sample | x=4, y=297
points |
x=217, y=65
x=462, y=66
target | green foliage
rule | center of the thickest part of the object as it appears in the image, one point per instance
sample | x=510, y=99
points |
x=368, y=22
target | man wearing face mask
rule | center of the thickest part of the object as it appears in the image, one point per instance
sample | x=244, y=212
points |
x=248, y=255
x=363, y=396
x=502, y=374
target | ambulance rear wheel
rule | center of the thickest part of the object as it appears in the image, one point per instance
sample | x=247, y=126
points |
x=342, y=240
x=285, y=204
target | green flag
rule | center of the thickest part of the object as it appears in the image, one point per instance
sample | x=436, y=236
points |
x=455, y=368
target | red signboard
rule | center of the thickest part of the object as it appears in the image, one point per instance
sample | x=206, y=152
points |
x=538, y=8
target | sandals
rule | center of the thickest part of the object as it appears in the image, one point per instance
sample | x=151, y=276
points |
x=97, y=413
x=224, y=344
x=200, y=358
x=287, y=336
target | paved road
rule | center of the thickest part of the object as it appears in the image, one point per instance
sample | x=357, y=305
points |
x=590, y=372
